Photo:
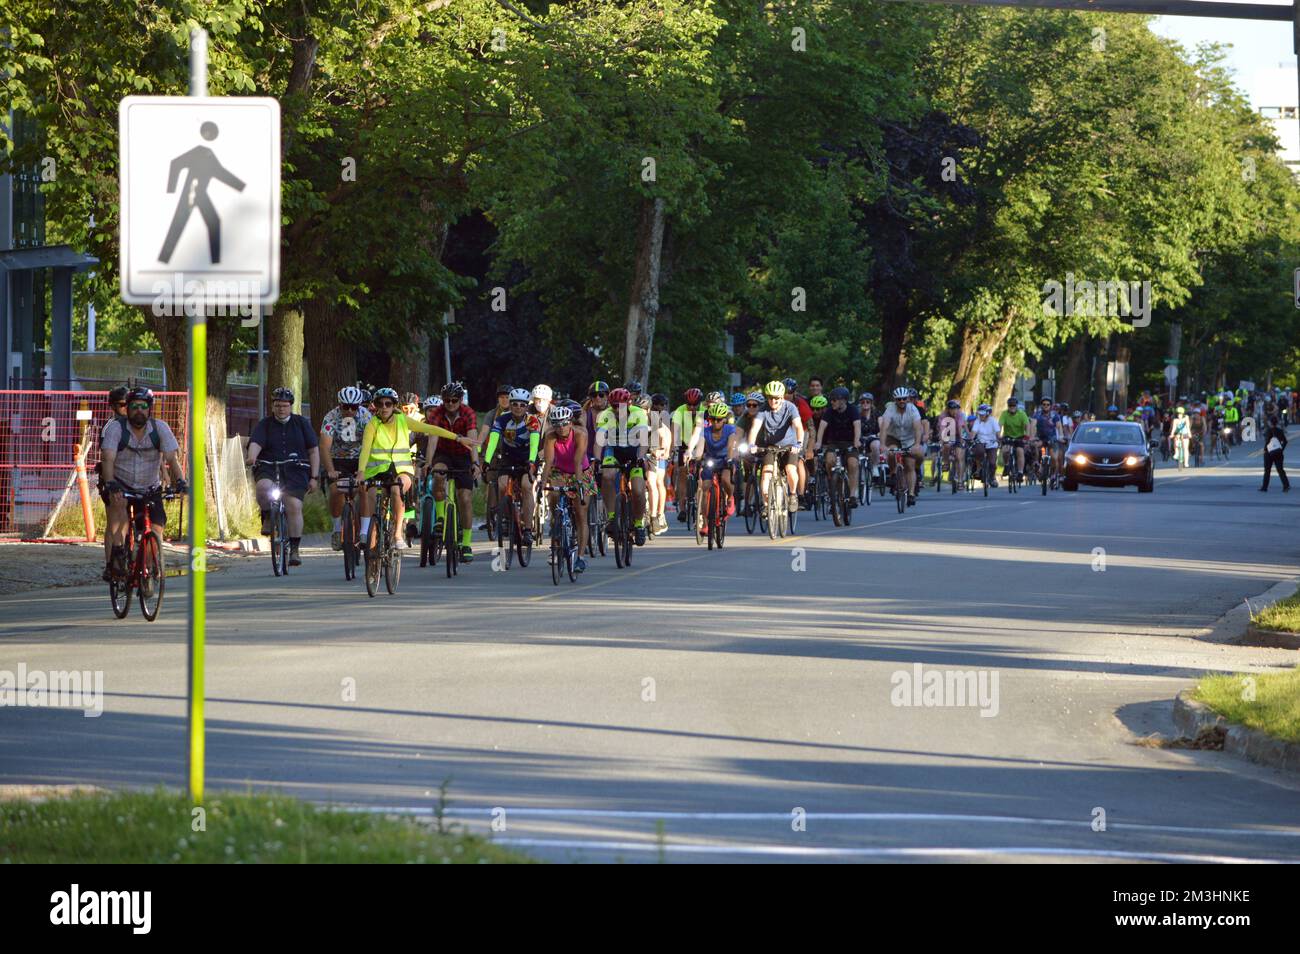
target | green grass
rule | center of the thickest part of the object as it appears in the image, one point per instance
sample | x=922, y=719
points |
x=1283, y=615
x=157, y=828
x=1275, y=708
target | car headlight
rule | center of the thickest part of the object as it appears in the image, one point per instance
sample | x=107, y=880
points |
x=1130, y=460
x=1080, y=459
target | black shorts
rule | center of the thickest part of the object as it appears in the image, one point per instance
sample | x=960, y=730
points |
x=154, y=503
x=458, y=467
x=772, y=452
x=839, y=447
x=346, y=466
x=623, y=457
x=514, y=467
x=294, y=480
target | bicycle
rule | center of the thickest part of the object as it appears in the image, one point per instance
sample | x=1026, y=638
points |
x=597, y=520
x=1013, y=476
x=820, y=492
x=897, y=477
x=624, y=534
x=564, y=541
x=840, y=495
x=715, y=515
x=279, y=517
x=384, y=556
x=988, y=468
x=510, y=518
x=348, y=486
x=690, y=504
x=1198, y=449
x=934, y=454
x=750, y=501
x=430, y=542
x=146, y=569
x=866, y=479
x=449, y=541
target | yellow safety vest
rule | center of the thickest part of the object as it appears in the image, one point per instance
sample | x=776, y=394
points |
x=398, y=453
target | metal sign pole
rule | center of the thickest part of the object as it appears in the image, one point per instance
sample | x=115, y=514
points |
x=198, y=518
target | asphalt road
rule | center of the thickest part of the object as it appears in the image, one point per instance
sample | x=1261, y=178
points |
x=774, y=671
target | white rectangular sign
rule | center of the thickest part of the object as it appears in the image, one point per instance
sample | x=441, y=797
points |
x=200, y=202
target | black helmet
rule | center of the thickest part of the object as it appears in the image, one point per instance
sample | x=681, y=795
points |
x=634, y=386
x=118, y=395
x=282, y=394
x=140, y=393
x=453, y=391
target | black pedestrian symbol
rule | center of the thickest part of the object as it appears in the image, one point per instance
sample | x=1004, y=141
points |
x=203, y=166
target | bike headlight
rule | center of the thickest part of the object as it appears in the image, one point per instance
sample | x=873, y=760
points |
x=742, y=448
x=275, y=493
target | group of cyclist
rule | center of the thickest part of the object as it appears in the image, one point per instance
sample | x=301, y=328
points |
x=376, y=440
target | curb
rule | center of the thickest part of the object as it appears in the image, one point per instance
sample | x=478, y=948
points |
x=1192, y=717
x=1274, y=638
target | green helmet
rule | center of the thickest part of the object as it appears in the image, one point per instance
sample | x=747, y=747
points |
x=718, y=411
x=818, y=402
x=774, y=389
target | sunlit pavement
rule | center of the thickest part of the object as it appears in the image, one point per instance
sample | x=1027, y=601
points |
x=729, y=706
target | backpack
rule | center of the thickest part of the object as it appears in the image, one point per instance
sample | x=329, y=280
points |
x=125, y=440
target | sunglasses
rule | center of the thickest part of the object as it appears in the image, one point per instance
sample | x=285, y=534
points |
x=385, y=404
x=518, y=403
x=451, y=401
x=138, y=406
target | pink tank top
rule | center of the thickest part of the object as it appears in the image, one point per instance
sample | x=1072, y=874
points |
x=564, y=452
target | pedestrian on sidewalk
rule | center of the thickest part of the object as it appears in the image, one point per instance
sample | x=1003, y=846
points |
x=1274, y=449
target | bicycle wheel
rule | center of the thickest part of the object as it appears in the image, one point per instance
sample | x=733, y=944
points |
x=392, y=569
x=845, y=500
x=349, y=541
x=710, y=513
x=523, y=550
x=557, y=556
x=451, y=534
x=750, y=506
x=374, y=559
x=773, y=497
x=119, y=591
x=616, y=521
x=153, y=577
x=279, y=563
x=506, y=530
x=701, y=532
x=428, y=544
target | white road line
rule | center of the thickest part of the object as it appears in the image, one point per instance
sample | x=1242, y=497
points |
x=799, y=851
x=581, y=813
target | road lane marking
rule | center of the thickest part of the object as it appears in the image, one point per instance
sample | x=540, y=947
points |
x=583, y=813
x=801, y=851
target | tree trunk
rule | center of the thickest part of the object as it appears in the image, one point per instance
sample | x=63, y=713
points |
x=174, y=340
x=643, y=308
x=331, y=360
x=895, y=321
x=1100, y=397
x=1007, y=373
x=410, y=370
x=978, y=345
x=1070, y=387
x=1123, y=353
x=284, y=334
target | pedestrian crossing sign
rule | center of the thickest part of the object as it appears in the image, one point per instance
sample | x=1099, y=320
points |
x=200, y=202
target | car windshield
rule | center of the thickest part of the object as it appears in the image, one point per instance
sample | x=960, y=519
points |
x=1107, y=434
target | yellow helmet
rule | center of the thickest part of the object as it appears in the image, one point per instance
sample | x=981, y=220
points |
x=774, y=389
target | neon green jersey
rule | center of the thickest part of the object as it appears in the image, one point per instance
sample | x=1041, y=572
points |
x=614, y=431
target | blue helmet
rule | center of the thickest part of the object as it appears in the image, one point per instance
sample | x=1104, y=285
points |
x=737, y=397
x=1112, y=408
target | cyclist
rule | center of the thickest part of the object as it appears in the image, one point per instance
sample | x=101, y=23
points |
x=542, y=397
x=518, y=434
x=1046, y=432
x=805, y=451
x=283, y=435
x=117, y=410
x=454, y=460
x=951, y=429
x=1112, y=413
x=838, y=435
x=737, y=407
x=902, y=427
x=622, y=436
x=870, y=419
x=1231, y=418
x=660, y=450
x=717, y=444
x=986, y=435
x=745, y=453
x=1180, y=436
x=1014, y=423
x=565, y=463
x=686, y=418
x=489, y=474
x=133, y=451
x=385, y=445
x=340, y=447
x=781, y=429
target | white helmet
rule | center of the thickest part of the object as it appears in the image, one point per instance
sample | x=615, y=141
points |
x=560, y=415
x=351, y=395
x=432, y=401
x=542, y=392
x=902, y=394
x=519, y=394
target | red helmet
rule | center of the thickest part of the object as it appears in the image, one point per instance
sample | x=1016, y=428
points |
x=620, y=396
x=693, y=395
